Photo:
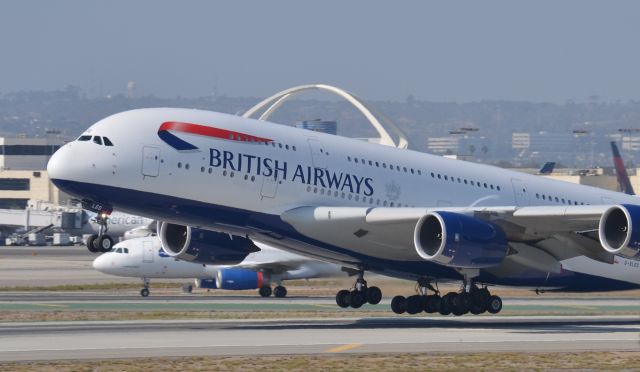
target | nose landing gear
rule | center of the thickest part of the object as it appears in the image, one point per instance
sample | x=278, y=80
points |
x=100, y=242
x=144, y=292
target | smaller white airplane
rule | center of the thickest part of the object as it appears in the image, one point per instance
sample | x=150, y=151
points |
x=144, y=258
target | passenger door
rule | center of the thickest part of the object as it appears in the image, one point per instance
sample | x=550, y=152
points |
x=318, y=153
x=269, y=187
x=147, y=251
x=150, y=161
x=520, y=192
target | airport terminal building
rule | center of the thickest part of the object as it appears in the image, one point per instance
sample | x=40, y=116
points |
x=23, y=171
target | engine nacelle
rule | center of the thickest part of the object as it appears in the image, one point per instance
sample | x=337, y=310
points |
x=238, y=279
x=619, y=230
x=206, y=283
x=203, y=246
x=456, y=240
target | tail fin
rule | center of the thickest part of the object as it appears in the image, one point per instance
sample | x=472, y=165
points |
x=547, y=168
x=621, y=171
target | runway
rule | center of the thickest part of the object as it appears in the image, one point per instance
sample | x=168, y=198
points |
x=86, y=340
x=112, y=301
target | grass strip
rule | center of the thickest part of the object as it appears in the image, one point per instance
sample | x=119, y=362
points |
x=424, y=361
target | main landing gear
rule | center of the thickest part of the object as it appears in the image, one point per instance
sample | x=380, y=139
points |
x=279, y=291
x=359, y=295
x=471, y=299
x=100, y=242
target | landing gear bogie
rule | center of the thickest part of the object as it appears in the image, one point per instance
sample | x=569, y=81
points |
x=360, y=294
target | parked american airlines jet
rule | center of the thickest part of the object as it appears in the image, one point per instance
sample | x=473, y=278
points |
x=144, y=258
x=374, y=208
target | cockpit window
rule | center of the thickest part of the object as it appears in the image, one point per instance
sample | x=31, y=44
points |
x=97, y=139
x=118, y=250
x=84, y=138
x=107, y=142
x=125, y=250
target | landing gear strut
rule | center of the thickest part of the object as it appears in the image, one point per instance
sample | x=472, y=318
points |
x=470, y=299
x=100, y=242
x=144, y=292
x=359, y=295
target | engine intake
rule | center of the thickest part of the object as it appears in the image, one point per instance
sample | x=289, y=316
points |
x=457, y=240
x=619, y=230
x=203, y=246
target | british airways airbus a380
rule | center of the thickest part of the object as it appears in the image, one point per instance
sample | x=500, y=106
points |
x=219, y=181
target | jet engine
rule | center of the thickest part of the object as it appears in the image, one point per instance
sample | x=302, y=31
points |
x=457, y=240
x=619, y=230
x=206, y=283
x=203, y=246
x=238, y=279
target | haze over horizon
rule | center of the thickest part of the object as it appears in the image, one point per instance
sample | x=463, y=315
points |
x=440, y=51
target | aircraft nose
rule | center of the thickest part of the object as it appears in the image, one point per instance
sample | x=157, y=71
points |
x=60, y=163
x=101, y=264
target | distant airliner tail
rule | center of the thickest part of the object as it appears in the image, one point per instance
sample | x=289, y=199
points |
x=621, y=171
x=547, y=168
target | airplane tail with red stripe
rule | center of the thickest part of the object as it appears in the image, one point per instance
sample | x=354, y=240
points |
x=621, y=171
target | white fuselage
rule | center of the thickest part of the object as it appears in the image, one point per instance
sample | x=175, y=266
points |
x=144, y=258
x=232, y=173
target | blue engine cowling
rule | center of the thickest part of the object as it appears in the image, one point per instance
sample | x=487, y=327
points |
x=238, y=279
x=206, y=283
x=460, y=241
x=204, y=246
x=619, y=230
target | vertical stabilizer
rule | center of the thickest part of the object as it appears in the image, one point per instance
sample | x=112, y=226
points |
x=621, y=171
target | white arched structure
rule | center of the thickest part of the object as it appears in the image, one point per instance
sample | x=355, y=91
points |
x=275, y=101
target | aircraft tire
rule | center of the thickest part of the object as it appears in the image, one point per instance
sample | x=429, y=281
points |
x=341, y=298
x=461, y=304
x=280, y=291
x=445, y=303
x=432, y=304
x=144, y=292
x=356, y=299
x=414, y=304
x=494, y=305
x=374, y=295
x=105, y=243
x=398, y=304
x=90, y=243
x=265, y=291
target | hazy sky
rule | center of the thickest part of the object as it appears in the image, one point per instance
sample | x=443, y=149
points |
x=444, y=50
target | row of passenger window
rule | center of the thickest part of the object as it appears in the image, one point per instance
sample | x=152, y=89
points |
x=349, y=196
x=558, y=200
x=209, y=170
x=419, y=172
x=280, y=145
x=383, y=165
x=465, y=181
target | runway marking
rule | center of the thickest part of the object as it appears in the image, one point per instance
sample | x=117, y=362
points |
x=341, y=348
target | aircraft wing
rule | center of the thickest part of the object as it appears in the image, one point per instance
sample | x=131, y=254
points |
x=540, y=236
